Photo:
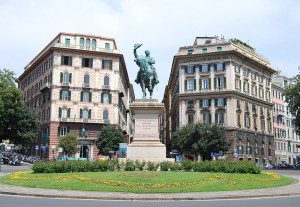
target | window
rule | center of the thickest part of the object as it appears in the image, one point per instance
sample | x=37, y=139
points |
x=205, y=102
x=262, y=124
x=66, y=60
x=204, y=68
x=206, y=84
x=261, y=92
x=87, y=62
x=67, y=42
x=246, y=87
x=191, y=104
x=247, y=121
x=204, y=50
x=86, y=80
x=245, y=72
x=189, y=52
x=63, y=130
x=219, y=49
x=105, y=114
x=237, y=69
x=220, y=102
x=220, y=83
x=190, y=69
x=86, y=96
x=219, y=117
x=106, y=80
x=254, y=90
x=260, y=79
x=190, y=85
x=107, y=64
x=240, y=149
x=65, y=77
x=105, y=98
x=238, y=119
x=190, y=118
x=87, y=43
x=219, y=66
x=65, y=95
x=107, y=46
x=85, y=114
x=253, y=76
x=248, y=150
x=81, y=43
x=206, y=118
x=94, y=44
x=64, y=113
x=238, y=84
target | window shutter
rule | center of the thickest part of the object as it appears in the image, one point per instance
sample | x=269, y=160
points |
x=215, y=66
x=224, y=82
x=200, y=68
x=185, y=85
x=70, y=78
x=194, y=69
x=83, y=62
x=195, y=84
x=59, y=112
x=109, y=98
x=209, y=118
x=208, y=67
x=68, y=129
x=70, y=61
x=102, y=97
x=62, y=60
x=81, y=113
x=225, y=101
x=69, y=113
x=200, y=84
x=90, y=114
x=91, y=63
x=81, y=96
x=90, y=96
x=200, y=103
x=216, y=102
x=209, y=102
x=209, y=83
x=69, y=95
x=110, y=64
x=216, y=118
x=224, y=66
x=185, y=69
x=215, y=83
x=61, y=77
x=103, y=64
x=58, y=131
x=60, y=95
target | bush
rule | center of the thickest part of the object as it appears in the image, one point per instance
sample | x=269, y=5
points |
x=175, y=167
x=165, y=166
x=151, y=166
x=129, y=166
x=187, y=165
x=140, y=165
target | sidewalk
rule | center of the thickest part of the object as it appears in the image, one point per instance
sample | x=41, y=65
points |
x=289, y=190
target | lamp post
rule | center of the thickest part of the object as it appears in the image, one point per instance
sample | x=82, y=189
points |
x=82, y=135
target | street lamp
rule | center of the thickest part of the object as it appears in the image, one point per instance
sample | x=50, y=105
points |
x=82, y=135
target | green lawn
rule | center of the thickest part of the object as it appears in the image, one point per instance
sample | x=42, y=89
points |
x=147, y=182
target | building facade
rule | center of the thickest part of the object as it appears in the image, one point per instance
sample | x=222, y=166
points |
x=287, y=142
x=215, y=81
x=77, y=83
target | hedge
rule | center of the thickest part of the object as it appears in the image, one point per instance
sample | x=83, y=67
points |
x=115, y=165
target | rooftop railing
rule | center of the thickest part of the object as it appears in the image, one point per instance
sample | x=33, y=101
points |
x=89, y=48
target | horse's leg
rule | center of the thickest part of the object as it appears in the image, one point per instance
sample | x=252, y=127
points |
x=143, y=89
x=150, y=89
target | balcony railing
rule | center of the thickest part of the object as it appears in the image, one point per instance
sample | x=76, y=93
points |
x=91, y=48
x=83, y=120
x=45, y=87
x=86, y=85
x=107, y=87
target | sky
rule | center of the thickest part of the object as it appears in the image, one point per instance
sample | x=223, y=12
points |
x=162, y=26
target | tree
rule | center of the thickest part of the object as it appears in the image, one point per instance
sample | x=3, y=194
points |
x=200, y=140
x=109, y=138
x=18, y=123
x=69, y=143
x=292, y=95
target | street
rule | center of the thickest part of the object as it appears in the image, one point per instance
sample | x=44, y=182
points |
x=18, y=201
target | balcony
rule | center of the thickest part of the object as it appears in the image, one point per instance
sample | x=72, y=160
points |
x=83, y=120
x=91, y=48
x=106, y=87
x=86, y=85
x=65, y=84
x=45, y=87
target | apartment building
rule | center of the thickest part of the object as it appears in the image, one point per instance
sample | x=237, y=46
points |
x=287, y=142
x=77, y=83
x=224, y=82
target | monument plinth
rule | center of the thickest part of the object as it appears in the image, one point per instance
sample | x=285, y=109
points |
x=146, y=145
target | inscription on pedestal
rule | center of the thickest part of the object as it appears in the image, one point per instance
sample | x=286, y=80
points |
x=146, y=128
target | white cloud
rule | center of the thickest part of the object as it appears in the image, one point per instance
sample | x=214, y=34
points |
x=162, y=26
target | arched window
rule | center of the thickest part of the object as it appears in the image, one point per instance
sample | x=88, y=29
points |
x=88, y=43
x=81, y=43
x=105, y=114
x=66, y=77
x=94, y=44
x=86, y=79
x=106, y=80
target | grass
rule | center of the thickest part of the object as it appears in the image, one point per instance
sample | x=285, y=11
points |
x=147, y=182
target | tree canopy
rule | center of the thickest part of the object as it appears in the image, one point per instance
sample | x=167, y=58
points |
x=109, y=138
x=69, y=143
x=200, y=140
x=18, y=123
x=292, y=95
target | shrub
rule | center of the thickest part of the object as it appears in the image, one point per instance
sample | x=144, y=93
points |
x=187, y=165
x=129, y=166
x=140, y=165
x=151, y=166
x=165, y=166
x=175, y=167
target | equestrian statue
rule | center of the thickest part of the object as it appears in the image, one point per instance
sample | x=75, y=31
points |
x=146, y=76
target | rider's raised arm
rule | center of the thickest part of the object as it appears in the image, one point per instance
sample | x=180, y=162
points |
x=135, y=54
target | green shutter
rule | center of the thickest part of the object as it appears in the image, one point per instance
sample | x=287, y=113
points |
x=70, y=61
x=208, y=68
x=109, y=98
x=61, y=77
x=195, y=84
x=200, y=84
x=225, y=101
x=209, y=117
x=216, y=102
x=81, y=96
x=58, y=131
x=60, y=95
x=103, y=64
x=81, y=113
x=90, y=113
x=69, y=95
x=215, y=66
x=224, y=66
x=225, y=82
x=209, y=102
x=185, y=85
x=102, y=97
x=200, y=103
x=110, y=64
x=59, y=112
x=91, y=63
x=90, y=96
x=68, y=129
x=83, y=62
x=209, y=83
x=62, y=60
x=70, y=78
x=69, y=113
x=200, y=68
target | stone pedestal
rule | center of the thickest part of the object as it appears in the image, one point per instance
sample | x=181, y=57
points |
x=146, y=145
